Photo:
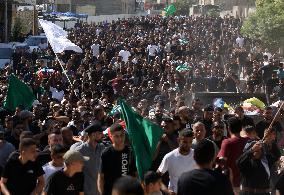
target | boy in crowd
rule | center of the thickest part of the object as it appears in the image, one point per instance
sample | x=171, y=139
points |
x=152, y=181
x=57, y=162
x=68, y=181
x=127, y=186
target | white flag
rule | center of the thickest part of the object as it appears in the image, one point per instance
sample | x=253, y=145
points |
x=57, y=37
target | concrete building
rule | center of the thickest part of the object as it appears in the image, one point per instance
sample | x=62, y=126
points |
x=2, y=19
x=96, y=7
x=228, y=5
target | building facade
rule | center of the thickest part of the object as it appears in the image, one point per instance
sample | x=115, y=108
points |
x=96, y=7
x=2, y=19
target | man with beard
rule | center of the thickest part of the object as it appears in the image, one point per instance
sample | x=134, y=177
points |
x=262, y=125
x=245, y=120
x=217, y=133
x=92, y=148
x=179, y=160
x=167, y=143
x=184, y=114
x=197, y=108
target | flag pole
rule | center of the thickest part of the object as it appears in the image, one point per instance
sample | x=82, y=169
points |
x=63, y=70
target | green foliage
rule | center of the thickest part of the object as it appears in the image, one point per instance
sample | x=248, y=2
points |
x=183, y=6
x=266, y=23
x=17, y=29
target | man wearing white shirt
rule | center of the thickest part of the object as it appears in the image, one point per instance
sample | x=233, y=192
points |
x=57, y=162
x=96, y=49
x=152, y=52
x=179, y=160
x=267, y=53
x=125, y=54
x=240, y=41
x=57, y=93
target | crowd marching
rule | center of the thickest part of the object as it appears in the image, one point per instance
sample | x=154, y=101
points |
x=74, y=139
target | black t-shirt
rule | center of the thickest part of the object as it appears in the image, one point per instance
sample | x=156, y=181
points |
x=44, y=156
x=212, y=83
x=21, y=178
x=230, y=84
x=116, y=164
x=247, y=121
x=204, y=181
x=11, y=139
x=60, y=184
x=271, y=83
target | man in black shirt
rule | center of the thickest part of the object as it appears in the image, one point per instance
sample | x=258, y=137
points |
x=117, y=160
x=204, y=180
x=14, y=136
x=70, y=180
x=23, y=175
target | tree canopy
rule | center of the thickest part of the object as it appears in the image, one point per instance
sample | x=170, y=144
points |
x=183, y=6
x=266, y=23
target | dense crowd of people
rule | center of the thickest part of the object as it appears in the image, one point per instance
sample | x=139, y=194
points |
x=74, y=140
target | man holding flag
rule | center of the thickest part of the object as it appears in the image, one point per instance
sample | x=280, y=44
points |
x=118, y=159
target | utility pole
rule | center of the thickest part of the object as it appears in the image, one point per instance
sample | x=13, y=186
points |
x=34, y=18
x=6, y=21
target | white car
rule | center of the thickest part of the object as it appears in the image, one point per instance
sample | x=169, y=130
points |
x=34, y=41
x=6, y=52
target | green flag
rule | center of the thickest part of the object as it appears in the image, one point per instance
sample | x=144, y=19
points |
x=18, y=94
x=171, y=9
x=144, y=137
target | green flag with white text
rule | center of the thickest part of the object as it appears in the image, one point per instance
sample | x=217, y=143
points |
x=18, y=94
x=144, y=136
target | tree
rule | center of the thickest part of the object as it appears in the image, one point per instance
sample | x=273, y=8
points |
x=183, y=6
x=17, y=29
x=266, y=24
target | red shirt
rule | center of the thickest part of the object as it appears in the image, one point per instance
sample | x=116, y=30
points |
x=232, y=148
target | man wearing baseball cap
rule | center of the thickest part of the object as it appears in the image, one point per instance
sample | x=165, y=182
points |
x=93, y=149
x=67, y=181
